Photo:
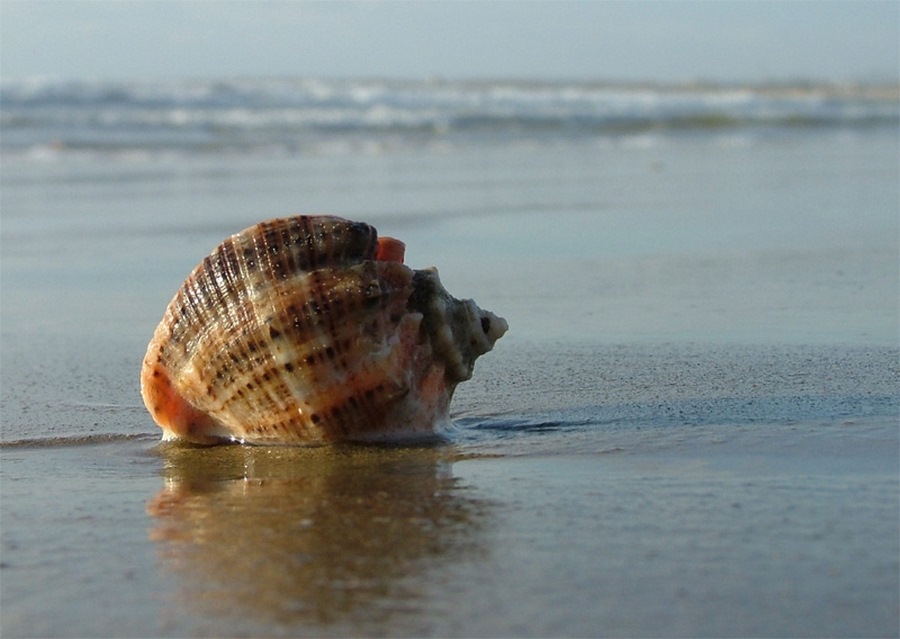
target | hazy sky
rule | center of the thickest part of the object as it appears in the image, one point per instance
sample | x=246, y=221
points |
x=661, y=41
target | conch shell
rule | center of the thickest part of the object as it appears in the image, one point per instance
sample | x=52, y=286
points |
x=306, y=330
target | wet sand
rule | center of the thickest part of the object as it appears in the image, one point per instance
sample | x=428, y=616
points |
x=676, y=507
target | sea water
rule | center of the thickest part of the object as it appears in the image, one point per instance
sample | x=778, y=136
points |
x=690, y=428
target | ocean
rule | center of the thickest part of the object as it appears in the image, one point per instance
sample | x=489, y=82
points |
x=690, y=429
x=300, y=116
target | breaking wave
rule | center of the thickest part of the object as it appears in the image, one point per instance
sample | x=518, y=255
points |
x=303, y=115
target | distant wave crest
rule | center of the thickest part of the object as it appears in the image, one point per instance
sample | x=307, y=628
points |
x=299, y=115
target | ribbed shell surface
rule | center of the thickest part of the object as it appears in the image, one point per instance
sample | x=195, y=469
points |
x=290, y=331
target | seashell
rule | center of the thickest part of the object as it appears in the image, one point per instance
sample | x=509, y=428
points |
x=310, y=329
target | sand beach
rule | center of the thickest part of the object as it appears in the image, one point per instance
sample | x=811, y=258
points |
x=691, y=428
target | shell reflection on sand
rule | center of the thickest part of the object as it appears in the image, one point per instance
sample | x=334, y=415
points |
x=309, y=537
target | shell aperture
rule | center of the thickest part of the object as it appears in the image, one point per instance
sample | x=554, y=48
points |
x=310, y=329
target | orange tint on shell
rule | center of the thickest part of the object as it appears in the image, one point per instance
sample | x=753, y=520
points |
x=177, y=418
x=390, y=250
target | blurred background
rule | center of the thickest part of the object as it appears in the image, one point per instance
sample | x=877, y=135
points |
x=601, y=170
x=631, y=41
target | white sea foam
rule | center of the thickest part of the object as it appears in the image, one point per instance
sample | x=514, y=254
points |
x=250, y=115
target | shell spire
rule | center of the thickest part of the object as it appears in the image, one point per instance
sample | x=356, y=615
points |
x=310, y=329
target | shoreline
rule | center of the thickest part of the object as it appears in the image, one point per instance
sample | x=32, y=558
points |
x=648, y=383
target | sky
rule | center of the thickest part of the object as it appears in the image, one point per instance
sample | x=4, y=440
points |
x=676, y=41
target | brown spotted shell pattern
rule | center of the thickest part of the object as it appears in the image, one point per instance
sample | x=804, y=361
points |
x=310, y=329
